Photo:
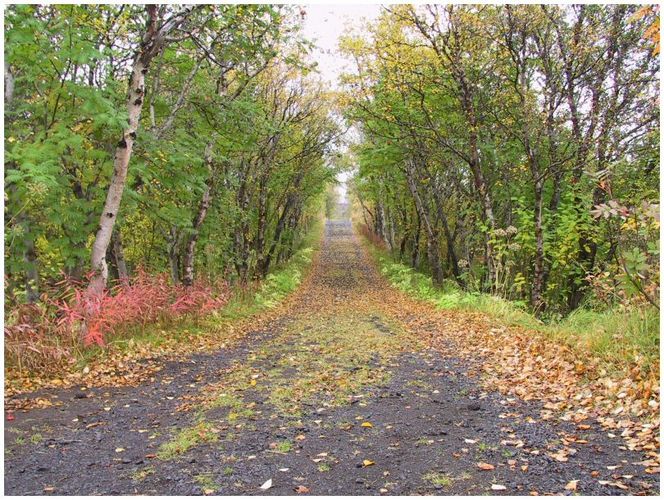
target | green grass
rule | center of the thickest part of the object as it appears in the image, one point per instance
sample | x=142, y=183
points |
x=187, y=438
x=278, y=284
x=206, y=482
x=284, y=446
x=141, y=474
x=237, y=408
x=615, y=336
x=438, y=479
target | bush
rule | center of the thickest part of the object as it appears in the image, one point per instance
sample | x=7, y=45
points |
x=45, y=334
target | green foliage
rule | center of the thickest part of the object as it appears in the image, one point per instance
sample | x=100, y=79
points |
x=239, y=122
x=482, y=161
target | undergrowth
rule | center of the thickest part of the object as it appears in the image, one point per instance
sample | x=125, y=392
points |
x=45, y=339
x=616, y=336
x=50, y=334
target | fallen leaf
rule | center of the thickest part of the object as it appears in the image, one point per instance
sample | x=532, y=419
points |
x=572, y=485
x=560, y=456
x=485, y=466
x=119, y=450
x=498, y=487
x=267, y=485
x=367, y=463
x=285, y=469
x=302, y=489
x=367, y=424
x=470, y=441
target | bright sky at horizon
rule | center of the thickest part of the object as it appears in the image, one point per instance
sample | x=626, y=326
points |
x=323, y=25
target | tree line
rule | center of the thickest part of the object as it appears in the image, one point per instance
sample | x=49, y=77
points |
x=513, y=149
x=192, y=140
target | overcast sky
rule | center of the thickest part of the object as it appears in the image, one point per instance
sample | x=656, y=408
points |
x=324, y=24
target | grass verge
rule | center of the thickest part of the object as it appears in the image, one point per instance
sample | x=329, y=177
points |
x=617, y=337
x=245, y=303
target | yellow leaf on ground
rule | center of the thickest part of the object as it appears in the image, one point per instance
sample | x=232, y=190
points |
x=572, y=485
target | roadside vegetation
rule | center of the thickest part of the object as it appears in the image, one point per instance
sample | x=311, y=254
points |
x=162, y=163
x=617, y=336
x=205, y=330
x=514, y=169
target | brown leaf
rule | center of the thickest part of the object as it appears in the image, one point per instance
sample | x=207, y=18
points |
x=302, y=489
x=485, y=466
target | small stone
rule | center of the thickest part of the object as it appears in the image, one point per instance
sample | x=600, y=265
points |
x=474, y=406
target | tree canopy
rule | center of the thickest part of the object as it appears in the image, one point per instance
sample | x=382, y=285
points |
x=189, y=139
x=517, y=145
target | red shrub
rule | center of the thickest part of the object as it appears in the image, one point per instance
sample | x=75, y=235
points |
x=145, y=300
x=67, y=313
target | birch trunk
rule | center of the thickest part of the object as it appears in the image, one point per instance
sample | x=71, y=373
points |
x=153, y=42
x=206, y=201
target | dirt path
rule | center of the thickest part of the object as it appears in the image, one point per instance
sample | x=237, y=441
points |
x=334, y=397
